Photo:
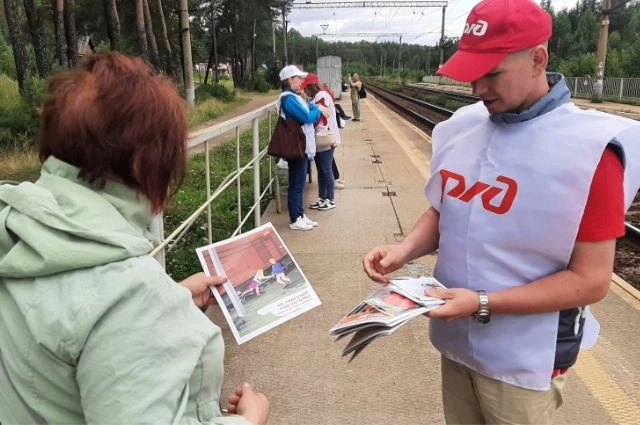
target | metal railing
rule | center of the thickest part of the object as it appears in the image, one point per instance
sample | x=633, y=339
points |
x=615, y=89
x=204, y=139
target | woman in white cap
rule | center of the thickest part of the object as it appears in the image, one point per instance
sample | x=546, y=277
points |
x=291, y=105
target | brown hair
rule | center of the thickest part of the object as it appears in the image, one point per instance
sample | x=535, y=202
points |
x=114, y=118
x=312, y=89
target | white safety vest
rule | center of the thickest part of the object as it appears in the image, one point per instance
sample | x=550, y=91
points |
x=307, y=129
x=511, y=198
x=332, y=123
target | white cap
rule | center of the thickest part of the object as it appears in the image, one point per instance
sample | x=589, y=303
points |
x=291, y=71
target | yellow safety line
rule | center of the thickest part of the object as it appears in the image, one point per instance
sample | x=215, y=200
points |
x=611, y=396
x=416, y=156
x=622, y=408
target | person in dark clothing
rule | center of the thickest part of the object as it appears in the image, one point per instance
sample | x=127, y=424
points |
x=339, y=111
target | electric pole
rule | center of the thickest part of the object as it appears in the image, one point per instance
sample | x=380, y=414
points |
x=400, y=55
x=273, y=36
x=284, y=35
x=444, y=9
x=186, y=53
x=253, y=52
x=601, y=55
x=316, y=37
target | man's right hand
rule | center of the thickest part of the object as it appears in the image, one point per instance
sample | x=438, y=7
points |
x=383, y=260
x=251, y=404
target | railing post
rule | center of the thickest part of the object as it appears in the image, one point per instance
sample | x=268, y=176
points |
x=238, y=186
x=256, y=172
x=269, y=161
x=207, y=179
x=157, y=229
x=621, y=88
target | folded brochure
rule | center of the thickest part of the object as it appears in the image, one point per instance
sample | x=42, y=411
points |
x=385, y=310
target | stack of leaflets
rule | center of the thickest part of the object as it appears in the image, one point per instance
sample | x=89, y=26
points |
x=385, y=310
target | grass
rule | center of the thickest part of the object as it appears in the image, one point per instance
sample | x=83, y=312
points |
x=16, y=118
x=211, y=109
x=19, y=165
x=9, y=95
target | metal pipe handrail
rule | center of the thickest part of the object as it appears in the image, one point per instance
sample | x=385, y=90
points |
x=204, y=136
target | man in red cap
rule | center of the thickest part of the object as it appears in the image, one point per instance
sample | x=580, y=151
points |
x=528, y=194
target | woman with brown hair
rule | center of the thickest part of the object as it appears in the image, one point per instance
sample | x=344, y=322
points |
x=324, y=154
x=92, y=329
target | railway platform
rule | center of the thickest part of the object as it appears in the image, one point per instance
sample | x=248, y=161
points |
x=395, y=380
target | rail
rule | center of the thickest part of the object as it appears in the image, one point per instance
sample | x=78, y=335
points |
x=205, y=138
x=427, y=114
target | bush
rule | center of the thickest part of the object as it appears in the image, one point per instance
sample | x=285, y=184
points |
x=7, y=64
x=257, y=83
x=17, y=121
x=204, y=92
x=35, y=91
x=272, y=75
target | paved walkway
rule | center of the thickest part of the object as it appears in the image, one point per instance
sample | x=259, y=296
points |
x=396, y=379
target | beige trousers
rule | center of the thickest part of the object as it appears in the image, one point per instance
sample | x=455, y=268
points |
x=471, y=398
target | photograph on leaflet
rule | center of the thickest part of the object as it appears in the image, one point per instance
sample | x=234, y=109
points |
x=265, y=287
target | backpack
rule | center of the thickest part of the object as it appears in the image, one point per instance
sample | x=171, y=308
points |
x=362, y=94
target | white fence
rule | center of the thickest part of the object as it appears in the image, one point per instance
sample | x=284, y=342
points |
x=203, y=139
x=615, y=89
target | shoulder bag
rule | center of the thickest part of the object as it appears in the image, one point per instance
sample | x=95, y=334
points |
x=288, y=140
x=325, y=139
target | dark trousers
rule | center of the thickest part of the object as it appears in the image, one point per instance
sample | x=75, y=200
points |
x=297, y=179
x=340, y=112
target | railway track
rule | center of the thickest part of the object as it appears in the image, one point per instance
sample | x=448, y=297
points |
x=426, y=115
x=627, y=263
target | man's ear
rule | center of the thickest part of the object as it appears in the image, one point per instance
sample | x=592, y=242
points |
x=540, y=58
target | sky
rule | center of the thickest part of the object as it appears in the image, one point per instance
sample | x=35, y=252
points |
x=417, y=25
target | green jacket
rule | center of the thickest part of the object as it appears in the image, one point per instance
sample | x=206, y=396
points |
x=92, y=330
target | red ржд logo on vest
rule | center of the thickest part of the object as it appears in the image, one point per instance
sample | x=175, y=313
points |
x=486, y=191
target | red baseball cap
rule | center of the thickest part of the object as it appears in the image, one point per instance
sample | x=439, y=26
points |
x=310, y=79
x=494, y=29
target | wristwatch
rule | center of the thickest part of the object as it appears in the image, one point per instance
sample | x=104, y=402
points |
x=483, y=315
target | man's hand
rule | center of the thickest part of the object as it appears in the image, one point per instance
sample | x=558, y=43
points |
x=199, y=285
x=383, y=260
x=459, y=303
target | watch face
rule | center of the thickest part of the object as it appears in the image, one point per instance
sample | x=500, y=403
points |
x=483, y=317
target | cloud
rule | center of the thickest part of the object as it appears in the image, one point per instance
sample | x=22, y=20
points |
x=417, y=25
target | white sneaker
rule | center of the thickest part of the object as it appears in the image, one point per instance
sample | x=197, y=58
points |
x=309, y=221
x=300, y=224
x=317, y=204
x=328, y=204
